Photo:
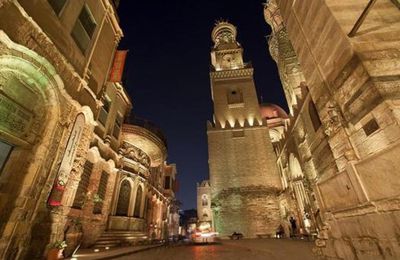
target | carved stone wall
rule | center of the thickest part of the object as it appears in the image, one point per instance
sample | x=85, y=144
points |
x=351, y=80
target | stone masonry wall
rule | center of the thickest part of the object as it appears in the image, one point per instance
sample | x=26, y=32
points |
x=244, y=181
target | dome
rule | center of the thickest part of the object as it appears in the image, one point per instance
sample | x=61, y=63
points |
x=269, y=111
x=223, y=31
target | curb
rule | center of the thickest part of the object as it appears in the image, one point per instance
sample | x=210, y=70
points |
x=130, y=253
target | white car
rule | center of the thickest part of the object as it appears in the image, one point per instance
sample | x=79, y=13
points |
x=204, y=237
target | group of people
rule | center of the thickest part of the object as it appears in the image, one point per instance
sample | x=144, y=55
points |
x=280, y=232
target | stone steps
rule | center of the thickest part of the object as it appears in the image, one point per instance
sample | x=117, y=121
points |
x=119, y=238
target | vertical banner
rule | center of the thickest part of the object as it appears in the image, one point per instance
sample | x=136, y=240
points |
x=176, y=186
x=118, y=66
x=67, y=162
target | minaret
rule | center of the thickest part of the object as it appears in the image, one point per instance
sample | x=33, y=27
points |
x=243, y=172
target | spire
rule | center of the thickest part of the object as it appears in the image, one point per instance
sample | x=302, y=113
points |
x=227, y=53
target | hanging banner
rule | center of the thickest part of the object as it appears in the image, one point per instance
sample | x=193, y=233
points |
x=118, y=66
x=175, y=186
x=67, y=162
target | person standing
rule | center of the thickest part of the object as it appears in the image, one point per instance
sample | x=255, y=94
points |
x=307, y=223
x=293, y=226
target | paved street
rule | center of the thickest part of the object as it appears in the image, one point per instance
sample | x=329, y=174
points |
x=232, y=250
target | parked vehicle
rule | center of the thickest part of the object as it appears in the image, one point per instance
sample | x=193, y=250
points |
x=204, y=237
x=204, y=234
x=236, y=236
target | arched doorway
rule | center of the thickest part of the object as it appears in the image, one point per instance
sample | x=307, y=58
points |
x=32, y=104
x=302, y=199
x=124, y=198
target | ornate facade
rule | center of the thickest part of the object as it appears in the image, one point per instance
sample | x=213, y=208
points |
x=61, y=128
x=337, y=152
x=243, y=175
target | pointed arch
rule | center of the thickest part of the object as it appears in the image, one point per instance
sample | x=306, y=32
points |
x=124, y=198
x=295, y=168
x=138, y=202
x=314, y=117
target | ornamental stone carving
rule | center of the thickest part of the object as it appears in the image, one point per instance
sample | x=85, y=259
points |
x=132, y=152
x=333, y=122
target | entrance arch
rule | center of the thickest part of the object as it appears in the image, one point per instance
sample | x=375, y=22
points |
x=124, y=198
x=30, y=94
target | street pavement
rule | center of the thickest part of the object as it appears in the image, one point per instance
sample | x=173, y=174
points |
x=253, y=249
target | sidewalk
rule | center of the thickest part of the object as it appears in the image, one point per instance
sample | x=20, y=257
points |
x=90, y=254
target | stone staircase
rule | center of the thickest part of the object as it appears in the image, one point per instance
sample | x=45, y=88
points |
x=114, y=238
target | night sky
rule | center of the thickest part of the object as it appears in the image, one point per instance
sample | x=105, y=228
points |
x=167, y=72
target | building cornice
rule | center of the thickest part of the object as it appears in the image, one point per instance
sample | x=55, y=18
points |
x=231, y=74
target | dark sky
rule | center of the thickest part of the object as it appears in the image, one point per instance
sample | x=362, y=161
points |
x=167, y=71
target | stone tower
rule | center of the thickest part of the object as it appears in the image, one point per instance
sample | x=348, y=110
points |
x=204, y=213
x=243, y=174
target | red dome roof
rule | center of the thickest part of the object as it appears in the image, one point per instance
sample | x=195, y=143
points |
x=269, y=111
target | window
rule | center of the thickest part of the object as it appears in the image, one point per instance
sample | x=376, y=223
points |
x=312, y=111
x=104, y=110
x=124, y=198
x=370, y=127
x=204, y=200
x=5, y=151
x=118, y=124
x=80, y=195
x=84, y=28
x=138, y=202
x=101, y=193
x=167, y=183
x=237, y=133
x=57, y=5
x=235, y=97
x=146, y=208
x=396, y=3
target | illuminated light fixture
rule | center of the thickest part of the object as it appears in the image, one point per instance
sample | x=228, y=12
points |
x=96, y=250
x=107, y=247
x=251, y=121
x=74, y=258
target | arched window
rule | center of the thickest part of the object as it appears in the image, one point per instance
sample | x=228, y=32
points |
x=295, y=168
x=204, y=200
x=312, y=111
x=123, y=199
x=205, y=213
x=138, y=202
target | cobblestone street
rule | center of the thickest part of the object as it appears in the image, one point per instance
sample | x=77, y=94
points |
x=254, y=249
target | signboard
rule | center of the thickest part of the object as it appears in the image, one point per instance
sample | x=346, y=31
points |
x=67, y=161
x=14, y=119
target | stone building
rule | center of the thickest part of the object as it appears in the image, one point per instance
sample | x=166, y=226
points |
x=339, y=66
x=243, y=174
x=204, y=211
x=61, y=127
x=142, y=205
x=55, y=59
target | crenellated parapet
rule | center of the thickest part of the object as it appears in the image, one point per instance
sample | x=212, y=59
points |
x=237, y=125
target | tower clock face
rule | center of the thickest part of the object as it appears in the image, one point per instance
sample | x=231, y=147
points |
x=227, y=60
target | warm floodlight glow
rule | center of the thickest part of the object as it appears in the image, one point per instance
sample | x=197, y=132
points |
x=251, y=120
